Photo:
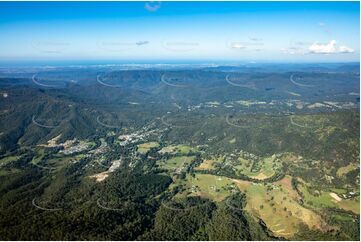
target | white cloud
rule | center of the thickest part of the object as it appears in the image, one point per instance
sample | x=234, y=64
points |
x=329, y=48
x=294, y=50
x=318, y=48
x=345, y=49
x=237, y=45
x=254, y=44
x=152, y=6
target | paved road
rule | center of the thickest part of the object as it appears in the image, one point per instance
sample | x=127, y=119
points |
x=299, y=84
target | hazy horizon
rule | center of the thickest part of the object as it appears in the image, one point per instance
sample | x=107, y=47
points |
x=311, y=32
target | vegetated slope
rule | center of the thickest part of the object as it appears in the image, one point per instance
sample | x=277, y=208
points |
x=298, y=157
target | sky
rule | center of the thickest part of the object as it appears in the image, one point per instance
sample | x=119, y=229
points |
x=180, y=31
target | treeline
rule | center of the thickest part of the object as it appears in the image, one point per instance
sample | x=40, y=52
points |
x=207, y=221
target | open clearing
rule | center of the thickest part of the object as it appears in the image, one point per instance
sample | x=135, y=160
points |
x=264, y=168
x=276, y=204
x=346, y=169
x=277, y=207
x=100, y=176
x=53, y=162
x=352, y=205
x=216, y=188
x=144, y=148
x=335, y=196
x=177, y=162
x=209, y=164
x=177, y=149
x=322, y=199
x=8, y=159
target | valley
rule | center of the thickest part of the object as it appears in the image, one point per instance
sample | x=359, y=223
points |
x=240, y=155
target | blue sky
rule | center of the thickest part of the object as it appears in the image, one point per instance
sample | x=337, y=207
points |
x=188, y=31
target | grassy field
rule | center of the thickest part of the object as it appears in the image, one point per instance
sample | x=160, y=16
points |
x=216, y=188
x=39, y=156
x=281, y=214
x=338, y=191
x=286, y=185
x=277, y=206
x=352, y=205
x=8, y=171
x=268, y=167
x=209, y=164
x=346, y=169
x=145, y=147
x=8, y=159
x=177, y=149
x=57, y=161
x=177, y=162
x=323, y=199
